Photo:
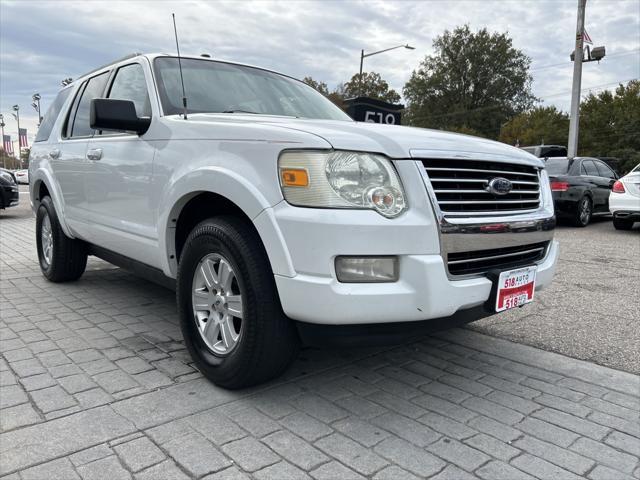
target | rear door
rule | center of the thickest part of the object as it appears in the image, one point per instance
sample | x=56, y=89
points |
x=120, y=168
x=68, y=160
x=599, y=185
x=609, y=176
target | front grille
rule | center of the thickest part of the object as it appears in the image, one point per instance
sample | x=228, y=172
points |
x=481, y=261
x=459, y=186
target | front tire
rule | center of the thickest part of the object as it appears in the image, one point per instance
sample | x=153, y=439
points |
x=62, y=259
x=583, y=214
x=230, y=313
x=622, y=223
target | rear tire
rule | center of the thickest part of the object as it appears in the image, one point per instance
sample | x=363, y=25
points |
x=622, y=223
x=62, y=259
x=263, y=340
x=583, y=214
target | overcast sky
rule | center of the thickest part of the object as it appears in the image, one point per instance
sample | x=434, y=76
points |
x=43, y=42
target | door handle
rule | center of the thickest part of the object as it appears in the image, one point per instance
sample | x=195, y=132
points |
x=55, y=153
x=94, y=154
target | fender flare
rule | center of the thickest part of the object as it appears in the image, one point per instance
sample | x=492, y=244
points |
x=233, y=187
x=39, y=177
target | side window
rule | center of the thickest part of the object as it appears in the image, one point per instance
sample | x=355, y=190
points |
x=94, y=89
x=52, y=115
x=589, y=168
x=130, y=84
x=605, y=171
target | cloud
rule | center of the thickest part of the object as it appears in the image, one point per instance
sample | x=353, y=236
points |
x=45, y=41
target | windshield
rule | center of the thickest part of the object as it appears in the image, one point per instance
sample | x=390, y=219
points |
x=216, y=87
x=557, y=166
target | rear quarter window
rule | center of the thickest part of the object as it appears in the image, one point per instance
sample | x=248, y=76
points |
x=52, y=115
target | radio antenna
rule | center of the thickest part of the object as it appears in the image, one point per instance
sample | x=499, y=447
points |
x=184, y=95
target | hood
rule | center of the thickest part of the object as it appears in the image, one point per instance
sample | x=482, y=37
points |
x=405, y=142
x=394, y=141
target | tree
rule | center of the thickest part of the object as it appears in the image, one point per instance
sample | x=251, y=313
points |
x=610, y=125
x=373, y=86
x=319, y=86
x=24, y=157
x=539, y=125
x=474, y=80
x=337, y=96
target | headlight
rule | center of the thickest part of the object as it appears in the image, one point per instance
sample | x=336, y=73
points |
x=7, y=176
x=341, y=180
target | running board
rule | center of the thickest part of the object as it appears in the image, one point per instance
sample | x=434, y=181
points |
x=152, y=274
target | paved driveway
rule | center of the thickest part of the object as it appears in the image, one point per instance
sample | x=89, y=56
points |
x=95, y=384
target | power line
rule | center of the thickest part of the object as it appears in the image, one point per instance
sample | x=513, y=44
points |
x=615, y=55
x=594, y=87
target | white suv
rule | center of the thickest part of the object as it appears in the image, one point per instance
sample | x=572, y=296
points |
x=267, y=204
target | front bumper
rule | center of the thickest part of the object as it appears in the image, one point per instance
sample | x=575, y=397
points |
x=423, y=292
x=10, y=195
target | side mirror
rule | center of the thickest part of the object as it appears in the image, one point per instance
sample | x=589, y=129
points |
x=116, y=115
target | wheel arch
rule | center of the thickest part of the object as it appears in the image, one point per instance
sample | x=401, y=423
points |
x=207, y=194
x=42, y=184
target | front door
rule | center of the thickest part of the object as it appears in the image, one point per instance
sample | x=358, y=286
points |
x=119, y=180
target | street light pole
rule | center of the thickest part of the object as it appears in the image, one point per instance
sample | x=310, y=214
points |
x=574, y=119
x=16, y=108
x=36, y=104
x=365, y=55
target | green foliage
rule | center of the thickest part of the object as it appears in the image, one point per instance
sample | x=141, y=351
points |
x=319, y=86
x=336, y=96
x=476, y=80
x=540, y=125
x=24, y=157
x=370, y=84
x=610, y=125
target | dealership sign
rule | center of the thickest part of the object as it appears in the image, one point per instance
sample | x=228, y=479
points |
x=371, y=110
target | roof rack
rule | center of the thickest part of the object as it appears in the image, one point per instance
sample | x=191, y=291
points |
x=126, y=57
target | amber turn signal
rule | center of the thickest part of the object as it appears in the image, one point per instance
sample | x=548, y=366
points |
x=294, y=177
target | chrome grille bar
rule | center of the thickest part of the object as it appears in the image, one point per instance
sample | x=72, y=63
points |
x=459, y=187
x=493, y=257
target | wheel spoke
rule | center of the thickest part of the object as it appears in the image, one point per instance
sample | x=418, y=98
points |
x=229, y=337
x=211, y=330
x=210, y=277
x=234, y=305
x=201, y=300
x=225, y=275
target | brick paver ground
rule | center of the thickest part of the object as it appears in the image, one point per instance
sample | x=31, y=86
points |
x=95, y=383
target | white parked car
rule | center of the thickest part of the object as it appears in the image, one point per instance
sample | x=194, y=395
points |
x=624, y=200
x=269, y=209
x=22, y=176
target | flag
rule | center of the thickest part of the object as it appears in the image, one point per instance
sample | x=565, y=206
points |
x=7, y=144
x=22, y=138
x=586, y=37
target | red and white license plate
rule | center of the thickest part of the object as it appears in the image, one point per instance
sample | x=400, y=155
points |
x=515, y=288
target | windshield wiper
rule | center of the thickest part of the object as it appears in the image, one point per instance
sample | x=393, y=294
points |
x=240, y=111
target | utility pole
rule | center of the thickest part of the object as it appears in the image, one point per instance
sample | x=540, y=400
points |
x=574, y=119
x=2, y=127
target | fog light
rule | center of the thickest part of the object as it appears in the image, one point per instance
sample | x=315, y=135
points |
x=367, y=269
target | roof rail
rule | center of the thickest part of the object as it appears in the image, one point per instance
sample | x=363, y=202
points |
x=126, y=57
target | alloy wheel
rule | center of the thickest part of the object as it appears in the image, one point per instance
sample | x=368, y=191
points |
x=46, y=239
x=217, y=304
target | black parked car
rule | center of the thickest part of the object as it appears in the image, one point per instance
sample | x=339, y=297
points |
x=580, y=188
x=9, y=194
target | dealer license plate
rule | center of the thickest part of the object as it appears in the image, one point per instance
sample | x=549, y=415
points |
x=515, y=288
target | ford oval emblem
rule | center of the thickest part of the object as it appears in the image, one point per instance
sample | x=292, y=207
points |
x=499, y=186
